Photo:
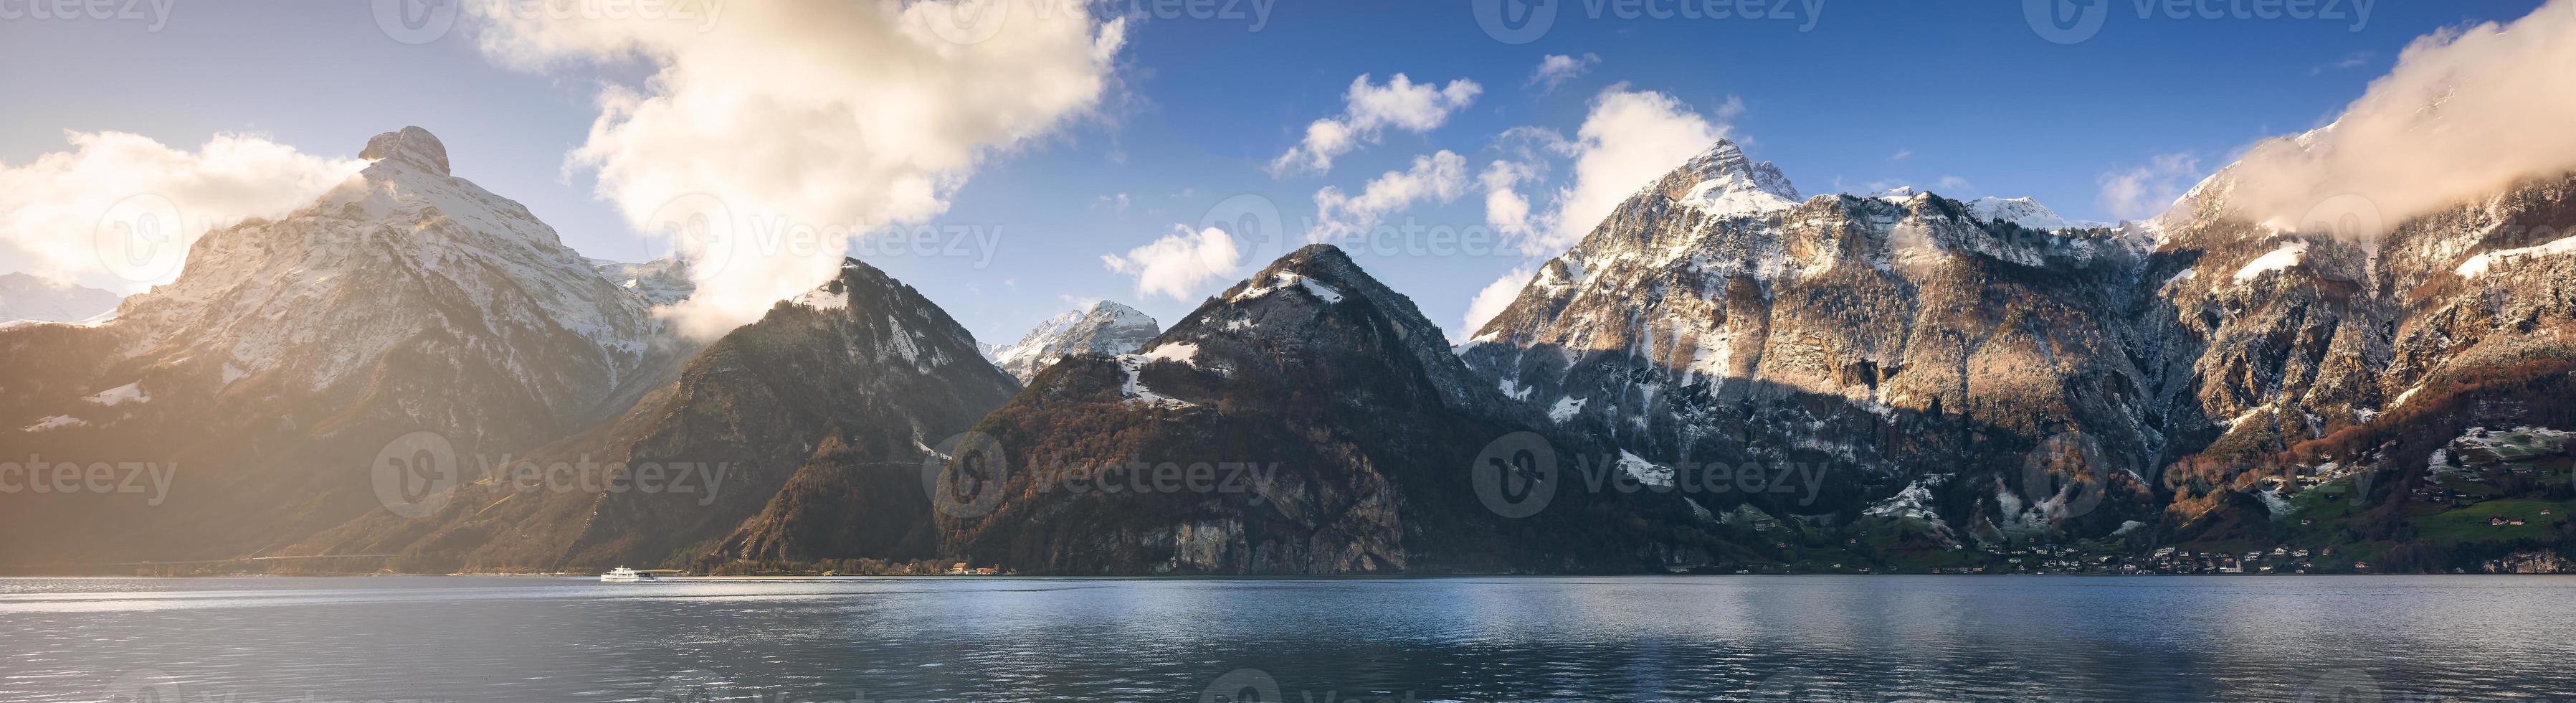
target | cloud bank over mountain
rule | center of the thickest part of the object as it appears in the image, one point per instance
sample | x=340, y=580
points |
x=119, y=209
x=2466, y=112
x=773, y=139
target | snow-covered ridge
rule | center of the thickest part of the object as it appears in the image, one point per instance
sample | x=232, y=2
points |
x=1731, y=185
x=1100, y=328
x=2026, y=212
x=399, y=250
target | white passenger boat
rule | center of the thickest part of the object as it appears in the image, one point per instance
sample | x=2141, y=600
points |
x=625, y=575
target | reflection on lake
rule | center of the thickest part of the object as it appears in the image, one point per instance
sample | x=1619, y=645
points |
x=2282, y=638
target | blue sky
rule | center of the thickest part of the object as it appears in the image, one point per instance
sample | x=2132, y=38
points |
x=1966, y=91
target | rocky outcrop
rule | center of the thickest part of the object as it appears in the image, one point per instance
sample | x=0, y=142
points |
x=1888, y=341
x=816, y=419
x=1306, y=421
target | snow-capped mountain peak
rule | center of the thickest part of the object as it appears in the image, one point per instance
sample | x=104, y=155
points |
x=1728, y=184
x=400, y=248
x=410, y=145
x=1104, y=327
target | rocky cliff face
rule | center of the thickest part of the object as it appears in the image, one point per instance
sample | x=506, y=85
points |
x=819, y=417
x=1306, y=421
x=1105, y=328
x=1988, y=373
x=1890, y=342
x=290, y=352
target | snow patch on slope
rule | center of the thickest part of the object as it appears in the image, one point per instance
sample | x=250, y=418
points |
x=2286, y=256
x=2477, y=265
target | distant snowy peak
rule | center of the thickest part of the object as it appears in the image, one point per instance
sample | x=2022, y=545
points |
x=31, y=298
x=659, y=282
x=1105, y=328
x=2026, y=212
x=1727, y=184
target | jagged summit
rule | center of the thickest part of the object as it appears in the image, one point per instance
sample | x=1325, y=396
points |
x=2023, y=211
x=411, y=145
x=1724, y=182
x=1104, y=327
x=1304, y=302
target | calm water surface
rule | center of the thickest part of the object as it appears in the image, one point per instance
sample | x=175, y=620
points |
x=256, y=640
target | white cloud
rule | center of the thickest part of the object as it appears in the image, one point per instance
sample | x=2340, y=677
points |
x=1440, y=177
x=842, y=117
x=1494, y=299
x=1901, y=155
x=1506, y=210
x=1555, y=69
x=2355, y=59
x=2466, y=112
x=1954, y=186
x=1630, y=139
x=1179, y=263
x=2145, y=191
x=1368, y=111
x=52, y=208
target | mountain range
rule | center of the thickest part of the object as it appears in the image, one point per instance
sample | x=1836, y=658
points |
x=33, y=299
x=413, y=374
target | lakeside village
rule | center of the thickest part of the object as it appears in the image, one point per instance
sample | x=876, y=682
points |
x=2490, y=501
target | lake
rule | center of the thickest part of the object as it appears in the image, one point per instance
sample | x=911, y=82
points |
x=1885, y=638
